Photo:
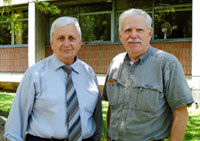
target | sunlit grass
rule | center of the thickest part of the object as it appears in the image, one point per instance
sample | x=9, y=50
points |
x=193, y=128
x=5, y=103
x=104, y=111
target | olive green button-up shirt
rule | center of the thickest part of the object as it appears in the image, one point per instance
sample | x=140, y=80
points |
x=143, y=95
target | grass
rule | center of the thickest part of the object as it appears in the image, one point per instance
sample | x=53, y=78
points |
x=193, y=128
x=192, y=131
x=5, y=103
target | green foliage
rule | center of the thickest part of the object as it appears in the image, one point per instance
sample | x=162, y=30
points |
x=13, y=19
x=7, y=1
x=46, y=8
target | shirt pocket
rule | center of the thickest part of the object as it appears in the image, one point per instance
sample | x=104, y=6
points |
x=147, y=99
x=113, y=92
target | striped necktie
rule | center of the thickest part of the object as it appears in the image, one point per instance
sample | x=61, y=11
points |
x=73, y=113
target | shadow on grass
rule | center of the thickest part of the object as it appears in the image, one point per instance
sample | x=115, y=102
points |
x=4, y=114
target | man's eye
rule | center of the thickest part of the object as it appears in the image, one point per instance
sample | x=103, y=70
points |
x=127, y=30
x=71, y=38
x=140, y=30
x=61, y=38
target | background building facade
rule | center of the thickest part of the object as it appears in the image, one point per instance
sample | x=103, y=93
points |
x=26, y=44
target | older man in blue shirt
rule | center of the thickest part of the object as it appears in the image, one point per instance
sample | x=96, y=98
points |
x=39, y=107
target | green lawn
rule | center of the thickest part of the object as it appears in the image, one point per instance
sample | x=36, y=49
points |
x=5, y=103
x=192, y=131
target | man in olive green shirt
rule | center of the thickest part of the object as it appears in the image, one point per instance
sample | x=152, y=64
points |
x=146, y=87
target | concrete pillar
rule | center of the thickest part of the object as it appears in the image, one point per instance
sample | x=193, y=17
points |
x=196, y=49
x=37, y=33
x=31, y=34
x=41, y=33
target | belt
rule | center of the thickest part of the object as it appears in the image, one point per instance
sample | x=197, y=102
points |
x=30, y=137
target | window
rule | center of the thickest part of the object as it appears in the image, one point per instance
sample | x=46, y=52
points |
x=5, y=36
x=173, y=22
x=14, y=28
x=128, y=4
x=95, y=27
x=167, y=19
x=95, y=21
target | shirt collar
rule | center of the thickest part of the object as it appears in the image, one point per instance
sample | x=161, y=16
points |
x=58, y=64
x=141, y=58
x=146, y=55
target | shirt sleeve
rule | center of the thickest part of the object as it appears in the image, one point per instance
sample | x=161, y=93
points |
x=21, y=108
x=177, y=90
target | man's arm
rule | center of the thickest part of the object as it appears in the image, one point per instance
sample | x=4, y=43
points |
x=98, y=119
x=108, y=122
x=17, y=122
x=180, y=118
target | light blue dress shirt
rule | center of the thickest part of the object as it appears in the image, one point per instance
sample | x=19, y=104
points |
x=39, y=106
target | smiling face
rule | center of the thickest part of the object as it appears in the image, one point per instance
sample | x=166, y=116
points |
x=66, y=43
x=135, y=36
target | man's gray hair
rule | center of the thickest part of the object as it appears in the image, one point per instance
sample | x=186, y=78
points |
x=62, y=21
x=132, y=12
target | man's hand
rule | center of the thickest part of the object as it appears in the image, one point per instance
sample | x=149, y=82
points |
x=180, y=118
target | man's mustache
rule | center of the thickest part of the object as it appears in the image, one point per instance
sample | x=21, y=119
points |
x=134, y=41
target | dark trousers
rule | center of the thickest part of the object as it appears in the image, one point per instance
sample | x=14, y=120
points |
x=153, y=140
x=30, y=137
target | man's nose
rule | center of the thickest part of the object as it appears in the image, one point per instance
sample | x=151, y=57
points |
x=133, y=34
x=66, y=43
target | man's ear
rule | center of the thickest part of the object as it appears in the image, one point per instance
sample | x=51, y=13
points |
x=80, y=43
x=151, y=32
x=119, y=34
x=51, y=43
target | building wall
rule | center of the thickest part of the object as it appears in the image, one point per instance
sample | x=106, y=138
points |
x=98, y=56
x=13, y=59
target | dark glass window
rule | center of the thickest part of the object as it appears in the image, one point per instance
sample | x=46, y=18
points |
x=14, y=31
x=21, y=33
x=172, y=19
x=171, y=2
x=95, y=27
x=127, y=4
x=69, y=10
x=95, y=7
x=173, y=23
x=94, y=19
x=5, y=36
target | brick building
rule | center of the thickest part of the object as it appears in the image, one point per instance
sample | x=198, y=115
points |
x=19, y=49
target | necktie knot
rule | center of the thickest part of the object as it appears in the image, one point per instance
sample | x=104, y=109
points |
x=67, y=69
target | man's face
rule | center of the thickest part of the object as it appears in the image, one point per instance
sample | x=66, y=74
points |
x=66, y=43
x=135, y=36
